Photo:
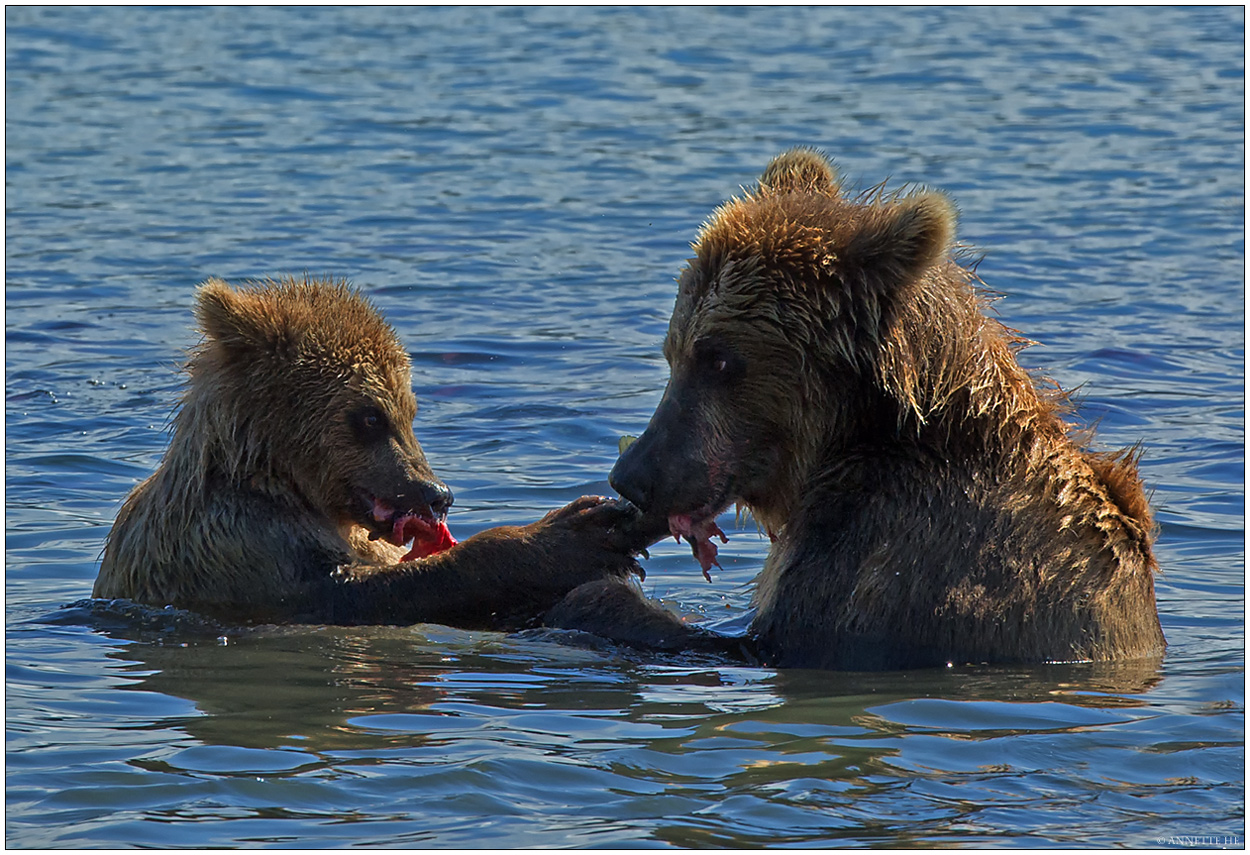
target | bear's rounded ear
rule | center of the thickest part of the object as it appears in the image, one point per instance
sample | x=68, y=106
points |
x=799, y=170
x=228, y=316
x=896, y=242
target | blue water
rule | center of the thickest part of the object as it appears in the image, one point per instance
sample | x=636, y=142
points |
x=516, y=190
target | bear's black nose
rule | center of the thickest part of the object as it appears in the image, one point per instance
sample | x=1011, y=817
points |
x=438, y=496
x=633, y=479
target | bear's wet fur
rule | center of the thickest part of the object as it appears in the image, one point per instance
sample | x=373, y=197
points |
x=293, y=468
x=834, y=370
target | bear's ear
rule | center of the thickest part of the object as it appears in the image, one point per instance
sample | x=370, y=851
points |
x=896, y=242
x=800, y=170
x=236, y=319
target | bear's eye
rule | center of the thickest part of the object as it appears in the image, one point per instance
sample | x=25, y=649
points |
x=719, y=364
x=369, y=424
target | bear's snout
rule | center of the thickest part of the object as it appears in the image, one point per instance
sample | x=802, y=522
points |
x=439, y=497
x=663, y=471
x=434, y=495
x=631, y=478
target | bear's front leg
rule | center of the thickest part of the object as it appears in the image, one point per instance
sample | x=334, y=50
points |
x=503, y=578
x=617, y=610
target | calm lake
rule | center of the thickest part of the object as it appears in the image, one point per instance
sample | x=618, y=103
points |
x=516, y=189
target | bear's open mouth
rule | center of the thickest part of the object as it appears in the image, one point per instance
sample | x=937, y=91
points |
x=429, y=533
x=698, y=527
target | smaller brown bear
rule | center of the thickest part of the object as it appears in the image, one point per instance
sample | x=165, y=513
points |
x=833, y=370
x=293, y=479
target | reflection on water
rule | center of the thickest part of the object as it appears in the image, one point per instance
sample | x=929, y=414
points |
x=516, y=189
x=526, y=724
x=337, y=680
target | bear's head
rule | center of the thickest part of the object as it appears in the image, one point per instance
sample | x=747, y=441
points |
x=302, y=390
x=776, y=340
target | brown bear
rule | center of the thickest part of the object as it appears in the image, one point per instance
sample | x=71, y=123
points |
x=293, y=479
x=833, y=369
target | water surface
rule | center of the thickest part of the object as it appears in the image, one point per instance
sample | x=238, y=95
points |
x=516, y=189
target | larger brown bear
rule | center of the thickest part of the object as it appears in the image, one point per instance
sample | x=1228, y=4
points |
x=833, y=369
x=293, y=479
